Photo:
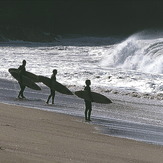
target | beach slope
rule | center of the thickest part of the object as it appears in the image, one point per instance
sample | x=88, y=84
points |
x=31, y=135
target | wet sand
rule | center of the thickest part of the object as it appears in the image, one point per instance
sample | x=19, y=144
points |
x=31, y=135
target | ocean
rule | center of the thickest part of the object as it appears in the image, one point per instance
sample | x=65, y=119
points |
x=128, y=70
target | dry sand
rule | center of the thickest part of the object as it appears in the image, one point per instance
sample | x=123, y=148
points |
x=30, y=135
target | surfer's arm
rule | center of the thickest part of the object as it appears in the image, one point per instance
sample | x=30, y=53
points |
x=90, y=95
x=53, y=80
x=21, y=72
x=88, y=90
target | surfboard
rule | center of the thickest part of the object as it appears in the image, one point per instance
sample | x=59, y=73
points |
x=30, y=75
x=55, y=86
x=25, y=80
x=96, y=97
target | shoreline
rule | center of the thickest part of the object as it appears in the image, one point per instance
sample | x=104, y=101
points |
x=41, y=136
x=114, y=93
x=109, y=127
x=121, y=119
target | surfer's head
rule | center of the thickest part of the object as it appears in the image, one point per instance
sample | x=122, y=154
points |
x=54, y=71
x=88, y=82
x=24, y=62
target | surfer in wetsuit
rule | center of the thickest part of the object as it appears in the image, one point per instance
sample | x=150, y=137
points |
x=53, y=80
x=88, y=104
x=21, y=72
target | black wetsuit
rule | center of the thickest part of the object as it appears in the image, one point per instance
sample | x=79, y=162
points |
x=88, y=105
x=22, y=87
x=52, y=94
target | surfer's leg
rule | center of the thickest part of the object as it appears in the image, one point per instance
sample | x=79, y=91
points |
x=19, y=94
x=52, y=99
x=22, y=91
x=89, y=111
x=53, y=96
x=86, y=114
x=86, y=110
x=22, y=88
x=48, y=99
x=89, y=115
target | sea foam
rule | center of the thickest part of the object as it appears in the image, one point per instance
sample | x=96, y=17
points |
x=138, y=52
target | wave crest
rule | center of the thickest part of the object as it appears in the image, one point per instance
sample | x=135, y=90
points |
x=136, y=53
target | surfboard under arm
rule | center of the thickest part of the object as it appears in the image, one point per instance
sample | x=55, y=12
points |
x=28, y=74
x=95, y=97
x=56, y=85
x=25, y=80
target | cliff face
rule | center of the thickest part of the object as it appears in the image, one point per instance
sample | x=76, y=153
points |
x=81, y=16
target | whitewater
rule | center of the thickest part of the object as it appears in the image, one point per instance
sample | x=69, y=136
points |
x=133, y=64
x=128, y=70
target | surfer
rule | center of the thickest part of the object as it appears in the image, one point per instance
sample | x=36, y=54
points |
x=53, y=80
x=88, y=104
x=21, y=72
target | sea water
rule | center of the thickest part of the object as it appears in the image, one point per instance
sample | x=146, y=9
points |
x=129, y=70
x=133, y=64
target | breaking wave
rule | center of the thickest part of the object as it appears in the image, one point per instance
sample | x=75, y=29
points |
x=139, y=52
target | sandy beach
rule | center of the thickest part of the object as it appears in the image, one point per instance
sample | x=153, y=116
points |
x=31, y=135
